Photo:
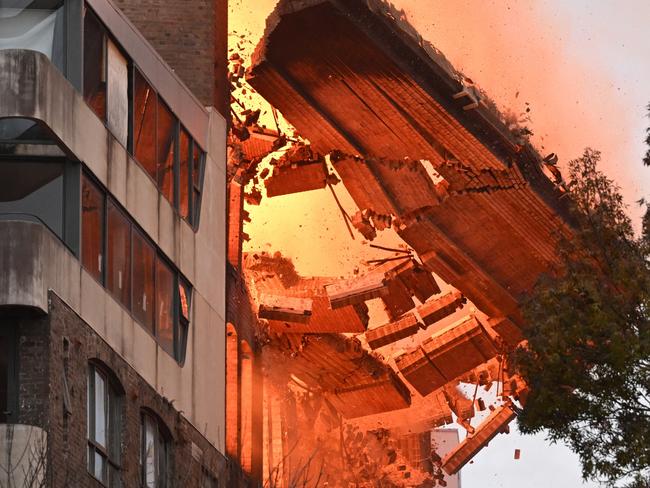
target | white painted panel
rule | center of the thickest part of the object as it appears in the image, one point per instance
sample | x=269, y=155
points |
x=118, y=93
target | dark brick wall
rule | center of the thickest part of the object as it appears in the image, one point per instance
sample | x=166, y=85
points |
x=192, y=37
x=33, y=353
x=62, y=343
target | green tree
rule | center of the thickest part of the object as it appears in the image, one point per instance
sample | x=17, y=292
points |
x=588, y=354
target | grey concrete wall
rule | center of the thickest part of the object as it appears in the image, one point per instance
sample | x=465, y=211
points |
x=31, y=87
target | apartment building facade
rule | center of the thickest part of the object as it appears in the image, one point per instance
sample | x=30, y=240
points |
x=112, y=257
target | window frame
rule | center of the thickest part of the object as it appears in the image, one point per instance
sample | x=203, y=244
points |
x=85, y=176
x=181, y=325
x=104, y=67
x=194, y=207
x=112, y=452
x=110, y=202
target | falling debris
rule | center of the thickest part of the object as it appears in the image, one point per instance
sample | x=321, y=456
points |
x=485, y=432
x=447, y=355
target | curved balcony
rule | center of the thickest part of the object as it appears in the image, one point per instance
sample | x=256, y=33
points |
x=32, y=260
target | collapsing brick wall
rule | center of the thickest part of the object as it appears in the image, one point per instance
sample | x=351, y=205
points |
x=447, y=355
x=352, y=380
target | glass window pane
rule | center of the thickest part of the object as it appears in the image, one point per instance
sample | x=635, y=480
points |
x=113, y=445
x=197, y=175
x=184, y=177
x=117, y=117
x=118, y=269
x=165, y=306
x=150, y=453
x=143, y=281
x=100, y=410
x=196, y=166
x=15, y=129
x=185, y=293
x=95, y=64
x=33, y=191
x=144, y=124
x=166, y=132
x=91, y=459
x=37, y=27
x=92, y=228
x=184, y=305
x=100, y=467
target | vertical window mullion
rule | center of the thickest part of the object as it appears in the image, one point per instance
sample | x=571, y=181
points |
x=154, y=299
x=104, y=225
x=155, y=140
x=131, y=111
x=177, y=165
x=190, y=182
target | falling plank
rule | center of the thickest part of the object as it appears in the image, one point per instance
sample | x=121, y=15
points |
x=497, y=422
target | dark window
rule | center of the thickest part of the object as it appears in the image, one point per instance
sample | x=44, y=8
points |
x=144, y=258
x=118, y=250
x=37, y=25
x=92, y=228
x=144, y=123
x=4, y=378
x=198, y=166
x=166, y=136
x=22, y=130
x=154, y=455
x=8, y=394
x=33, y=191
x=95, y=64
x=165, y=306
x=185, y=185
x=104, y=405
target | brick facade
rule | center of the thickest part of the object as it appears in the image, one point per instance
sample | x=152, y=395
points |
x=191, y=36
x=62, y=344
x=249, y=425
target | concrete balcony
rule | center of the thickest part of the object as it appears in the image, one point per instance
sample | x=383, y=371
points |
x=33, y=260
x=23, y=455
